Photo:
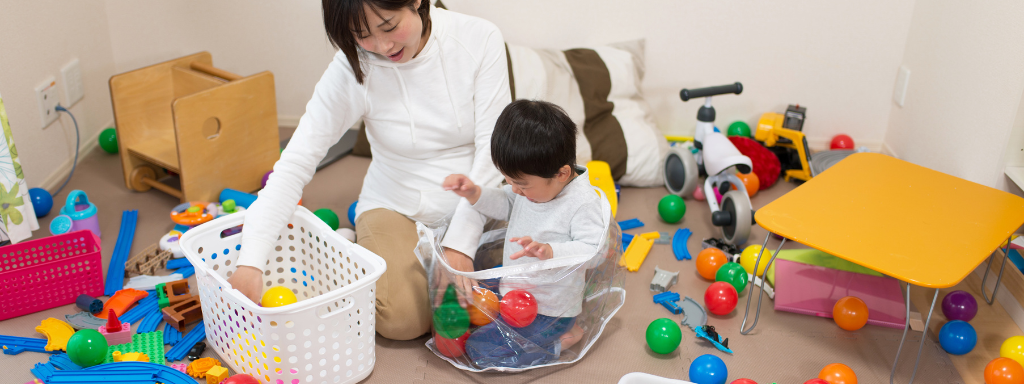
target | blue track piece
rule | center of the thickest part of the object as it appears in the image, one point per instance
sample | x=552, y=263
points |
x=177, y=263
x=627, y=238
x=679, y=244
x=126, y=372
x=630, y=224
x=668, y=300
x=197, y=334
x=142, y=308
x=62, y=361
x=43, y=371
x=150, y=323
x=125, y=237
x=14, y=345
x=186, y=271
x=171, y=335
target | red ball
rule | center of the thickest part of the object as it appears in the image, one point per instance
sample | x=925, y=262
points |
x=240, y=378
x=743, y=381
x=842, y=142
x=816, y=381
x=518, y=308
x=451, y=347
x=721, y=298
x=765, y=164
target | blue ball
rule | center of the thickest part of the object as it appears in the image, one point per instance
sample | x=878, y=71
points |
x=352, y=213
x=42, y=201
x=708, y=369
x=957, y=337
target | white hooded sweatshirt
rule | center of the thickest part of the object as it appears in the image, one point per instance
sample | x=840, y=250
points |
x=425, y=119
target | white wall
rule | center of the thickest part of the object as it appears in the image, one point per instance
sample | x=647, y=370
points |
x=37, y=38
x=967, y=76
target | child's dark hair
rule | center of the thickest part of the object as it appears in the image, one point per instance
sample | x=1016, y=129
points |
x=533, y=138
x=346, y=19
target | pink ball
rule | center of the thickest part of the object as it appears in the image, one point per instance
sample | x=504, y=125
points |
x=698, y=194
x=518, y=308
x=263, y=183
x=842, y=142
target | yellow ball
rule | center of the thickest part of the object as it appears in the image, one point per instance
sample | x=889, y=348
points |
x=749, y=256
x=278, y=296
x=1013, y=348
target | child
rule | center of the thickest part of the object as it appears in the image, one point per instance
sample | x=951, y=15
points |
x=552, y=211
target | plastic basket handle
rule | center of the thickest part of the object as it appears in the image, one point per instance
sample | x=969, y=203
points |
x=73, y=199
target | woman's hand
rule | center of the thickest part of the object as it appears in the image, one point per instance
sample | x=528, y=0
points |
x=462, y=186
x=531, y=248
x=459, y=262
x=249, y=281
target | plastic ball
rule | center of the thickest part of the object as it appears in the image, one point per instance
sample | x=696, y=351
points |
x=743, y=381
x=266, y=176
x=750, y=182
x=352, y=213
x=484, y=308
x=671, y=208
x=959, y=305
x=698, y=194
x=816, y=381
x=1002, y=370
x=749, y=257
x=837, y=374
x=663, y=336
x=42, y=201
x=108, y=140
x=720, y=298
x=451, y=347
x=451, y=320
x=278, y=296
x=958, y=337
x=1013, y=348
x=708, y=369
x=850, y=313
x=87, y=348
x=329, y=217
x=733, y=274
x=240, y=378
x=518, y=308
x=841, y=142
x=708, y=262
x=738, y=128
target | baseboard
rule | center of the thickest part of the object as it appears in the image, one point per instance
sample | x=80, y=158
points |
x=887, y=150
x=823, y=144
x=1011, y=289
x=86, y=146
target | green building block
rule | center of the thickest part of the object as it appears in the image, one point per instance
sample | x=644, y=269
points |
x=152, y=344
x=162, y=296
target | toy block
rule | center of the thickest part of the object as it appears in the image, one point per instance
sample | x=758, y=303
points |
x=121, y=301
x=668, y=300
x=651, y=235
x=663, y=280
x=57, y=333
x=635, y=254
x=173, y=292
x=216, y=374
x=199, y=367
x=181, y=367
x=630, y=224
x=184, y=313
x=115, y=331
x=147, y=261
x=151, y=344
x=118, y=357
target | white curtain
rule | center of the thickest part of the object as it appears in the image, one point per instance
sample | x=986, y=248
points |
x=16, y=212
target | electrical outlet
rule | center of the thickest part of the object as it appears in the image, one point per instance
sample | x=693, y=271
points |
x=71, y=76
x=902, y=80
x=47, y=97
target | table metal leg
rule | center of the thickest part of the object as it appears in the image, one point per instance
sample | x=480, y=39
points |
x=750, y=293
x=924, y=334
x=1006, y=255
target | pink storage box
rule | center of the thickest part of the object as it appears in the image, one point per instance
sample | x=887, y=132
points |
x=41, y=274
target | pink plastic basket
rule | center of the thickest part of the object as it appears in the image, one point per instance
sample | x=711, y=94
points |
x=49, y=272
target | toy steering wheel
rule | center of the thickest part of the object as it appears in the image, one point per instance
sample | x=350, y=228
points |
x=192, y=214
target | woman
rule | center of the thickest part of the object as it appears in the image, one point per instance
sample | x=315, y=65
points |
x=429, y=85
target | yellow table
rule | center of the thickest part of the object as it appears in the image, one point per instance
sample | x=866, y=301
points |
x=918, y=225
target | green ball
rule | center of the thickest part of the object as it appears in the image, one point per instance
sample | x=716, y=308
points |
x=671, y=208
x=108, y=140
x=738, y=128
x=87, y=348
x=734, y=274
x=663, y=336
x=331, y=218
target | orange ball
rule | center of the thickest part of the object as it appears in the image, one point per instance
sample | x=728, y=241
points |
x=708, y=262
x=850, y=313
x=1004, y=370
x=838, y=374
x=484, y=308
x=750, y=181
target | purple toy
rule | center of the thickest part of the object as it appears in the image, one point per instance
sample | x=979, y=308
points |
x=263, y=183
x=959, y=305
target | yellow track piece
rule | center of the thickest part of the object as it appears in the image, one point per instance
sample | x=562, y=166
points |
x=57, y=333
x=635, y=253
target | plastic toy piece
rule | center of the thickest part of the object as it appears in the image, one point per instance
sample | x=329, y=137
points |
x=199, y=367
x=601, y=177
x=694, y=312
x=708, y=333
x=727, y=248
x=89, y=303
x=121, y=301
x=679, y=240
x=62, y=361
x=663, y=280
x=84, y=320
x=216, y=374
x=149, y=283
x=147, y=261
x=190, y=339
x=630, y=224
x=663, y=238
x=118, y=357
x=57, y=333
x=151, y=344
x=186, y=272
x=129, y=372
x=771, y=127
x=196, y=351
x=184, y=313
x=668, y=300
x=13, y=345
x=635, y=253
x=181, y=367
x=115, y=273
x=171, y=336
x=767, y=288
x=177, y=263
x=150, y=323
x=651, y=235
x=174, y=292
x=115, y=331
x=143, y=308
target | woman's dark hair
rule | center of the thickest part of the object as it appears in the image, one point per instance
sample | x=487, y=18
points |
x=346, y=19
x=533, y=138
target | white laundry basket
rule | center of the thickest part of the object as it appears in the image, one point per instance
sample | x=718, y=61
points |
x=327, y=337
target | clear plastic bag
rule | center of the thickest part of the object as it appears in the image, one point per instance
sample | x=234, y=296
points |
x=570, y=295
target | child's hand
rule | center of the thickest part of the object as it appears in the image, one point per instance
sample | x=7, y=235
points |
x=531, y=248
x=462, y=186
